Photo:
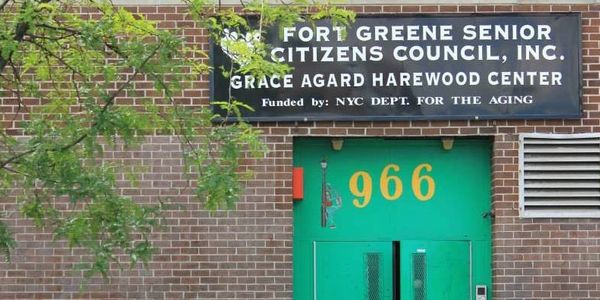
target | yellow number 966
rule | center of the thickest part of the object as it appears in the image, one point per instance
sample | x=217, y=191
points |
x=390, y=184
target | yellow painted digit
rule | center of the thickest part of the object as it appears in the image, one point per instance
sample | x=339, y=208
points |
x=365, y=192
x=384, y=183
x=417, y=179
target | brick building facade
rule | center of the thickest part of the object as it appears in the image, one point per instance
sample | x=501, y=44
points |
x=247, y=253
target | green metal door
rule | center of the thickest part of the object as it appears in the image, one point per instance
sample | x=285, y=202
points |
x=397, y=198
x=435, y=270
x=353, y=270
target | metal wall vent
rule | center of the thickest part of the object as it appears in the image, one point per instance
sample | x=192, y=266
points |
x=559, y=175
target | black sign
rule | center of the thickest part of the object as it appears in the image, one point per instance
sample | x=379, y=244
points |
x=417, y=68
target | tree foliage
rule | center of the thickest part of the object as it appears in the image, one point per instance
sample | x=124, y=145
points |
x=74, y=60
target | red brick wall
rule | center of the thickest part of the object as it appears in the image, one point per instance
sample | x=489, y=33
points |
x=246, y=253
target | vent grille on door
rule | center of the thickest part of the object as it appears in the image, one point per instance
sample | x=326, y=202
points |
x=419, y=276
x=373, y=270
x=559, y=175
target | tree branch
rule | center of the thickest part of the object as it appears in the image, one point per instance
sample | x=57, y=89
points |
x=111, y=100
x=17, y=77
x=20, y=32
x=15, y=158
x=50, y=53
x=55, y=39
x=19, y=36
x=64, y=29
x=3, y=4
x=108, y=103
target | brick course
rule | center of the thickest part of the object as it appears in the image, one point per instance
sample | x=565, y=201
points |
x=247, y=253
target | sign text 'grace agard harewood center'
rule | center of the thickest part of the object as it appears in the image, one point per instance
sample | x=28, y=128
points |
x=429, y=151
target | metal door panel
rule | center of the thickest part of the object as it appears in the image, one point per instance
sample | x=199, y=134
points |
x=353, y=270
x=435, y=270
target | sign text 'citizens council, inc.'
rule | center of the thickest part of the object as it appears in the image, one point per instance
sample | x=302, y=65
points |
x=417, y=68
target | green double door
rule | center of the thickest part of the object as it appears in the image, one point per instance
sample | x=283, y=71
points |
x=380, y=270
x=392, y=219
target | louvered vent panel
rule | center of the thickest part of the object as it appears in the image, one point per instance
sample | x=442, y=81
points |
x=560, y=175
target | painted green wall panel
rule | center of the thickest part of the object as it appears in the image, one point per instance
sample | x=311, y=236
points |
x=462, y=192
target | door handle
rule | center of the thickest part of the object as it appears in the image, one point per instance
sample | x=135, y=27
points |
x=490, y=214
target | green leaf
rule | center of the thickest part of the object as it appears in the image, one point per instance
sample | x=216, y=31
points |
x=7, y=242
